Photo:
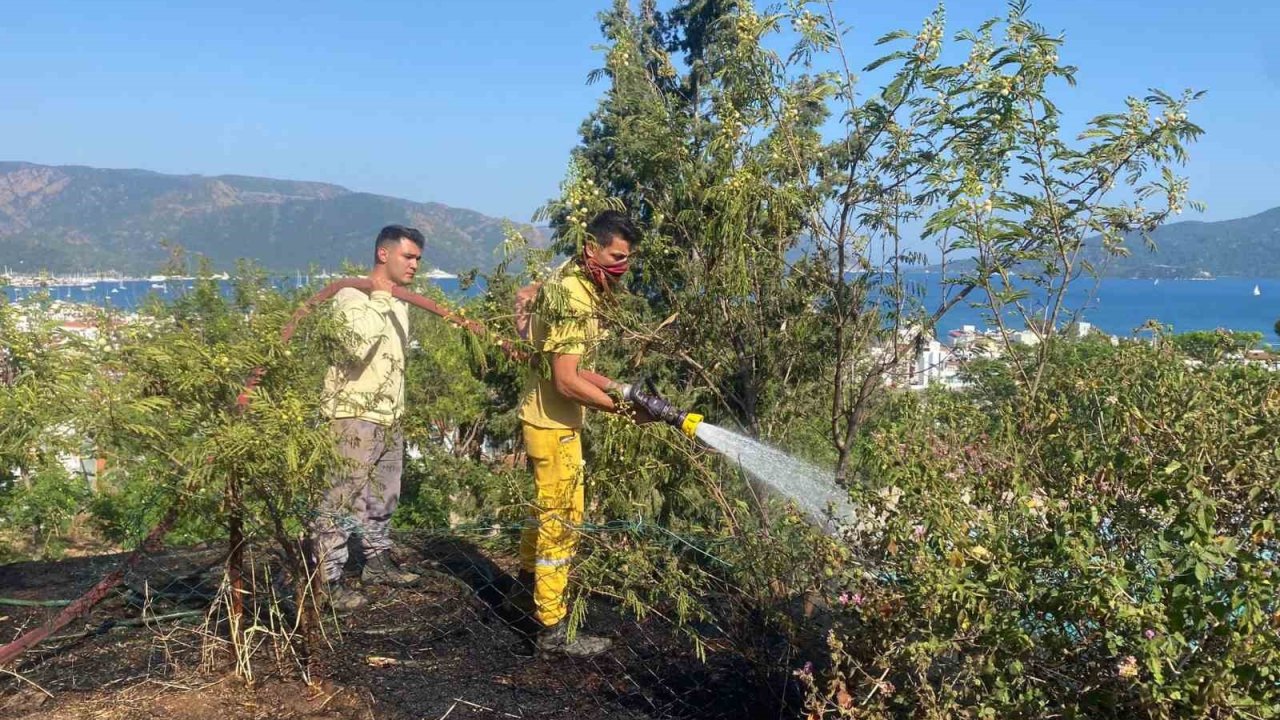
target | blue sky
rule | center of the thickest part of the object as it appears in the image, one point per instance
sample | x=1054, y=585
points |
x=476, y=104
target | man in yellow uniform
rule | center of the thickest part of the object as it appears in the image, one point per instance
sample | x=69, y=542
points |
x=365, y=399
x=565, y=331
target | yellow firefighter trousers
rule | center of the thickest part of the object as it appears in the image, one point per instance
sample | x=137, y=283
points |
x=550, y=537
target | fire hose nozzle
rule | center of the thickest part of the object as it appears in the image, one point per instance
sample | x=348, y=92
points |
x=662, y=409
x=689, y=426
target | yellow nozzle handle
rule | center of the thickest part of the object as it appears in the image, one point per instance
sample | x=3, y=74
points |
x=689, y=426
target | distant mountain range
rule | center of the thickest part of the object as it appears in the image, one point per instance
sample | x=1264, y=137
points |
x=81, y=219
x=1245, y=247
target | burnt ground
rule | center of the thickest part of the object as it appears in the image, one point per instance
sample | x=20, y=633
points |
x=443, y=649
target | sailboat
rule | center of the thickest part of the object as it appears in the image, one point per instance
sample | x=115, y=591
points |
x=1256, y=291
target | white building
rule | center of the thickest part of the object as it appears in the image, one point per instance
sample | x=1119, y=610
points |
x=932, y=364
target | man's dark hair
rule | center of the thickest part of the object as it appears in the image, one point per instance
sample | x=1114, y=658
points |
x=393, y=234
x=610, y=224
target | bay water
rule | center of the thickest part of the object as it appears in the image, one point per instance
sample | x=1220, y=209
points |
x=1116, y=306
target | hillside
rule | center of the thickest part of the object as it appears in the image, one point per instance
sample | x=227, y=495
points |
x=68, y=218
x=1247, y=247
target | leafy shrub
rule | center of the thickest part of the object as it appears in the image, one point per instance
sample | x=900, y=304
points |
x=1106, y=549
x=1211, y=346
x=441, y=490
x=41, y=507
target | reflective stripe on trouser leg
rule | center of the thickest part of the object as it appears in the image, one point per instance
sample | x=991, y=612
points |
x=550, y=538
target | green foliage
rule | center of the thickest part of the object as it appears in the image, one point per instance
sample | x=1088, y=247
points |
x=776, y=298
x=1105, y=549
x=155, y=398
x=445, y=398
x=1213, y=346
x=1086, y=531
x=463, y=394
x=42, y=507
x=441, y=490
x=689, y=153
x=775, y=191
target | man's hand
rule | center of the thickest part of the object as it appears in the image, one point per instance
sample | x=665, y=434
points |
x=379, y=282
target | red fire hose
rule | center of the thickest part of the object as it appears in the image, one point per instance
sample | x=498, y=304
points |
x=411, y=298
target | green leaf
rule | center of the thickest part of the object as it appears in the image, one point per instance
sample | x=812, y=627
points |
x=1201, y=573
x=883, y=60
x=892, y=36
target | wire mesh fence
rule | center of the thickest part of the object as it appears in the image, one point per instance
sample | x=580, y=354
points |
x=457, y=641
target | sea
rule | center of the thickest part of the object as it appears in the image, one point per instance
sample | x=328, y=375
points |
x=1121, y=306
x=1116, y=306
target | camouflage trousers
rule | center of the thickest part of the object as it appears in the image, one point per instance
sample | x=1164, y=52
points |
x=361, y=496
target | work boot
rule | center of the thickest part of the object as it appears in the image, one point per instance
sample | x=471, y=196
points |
x=381, y=570
x=555, y=641
x=342, y=599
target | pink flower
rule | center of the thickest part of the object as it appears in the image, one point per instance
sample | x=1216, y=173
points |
x=1150, y=634
x=844, y=598
x=858, y=599
x=917, y=532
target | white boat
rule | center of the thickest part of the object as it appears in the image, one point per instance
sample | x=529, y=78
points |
x=1256, y=291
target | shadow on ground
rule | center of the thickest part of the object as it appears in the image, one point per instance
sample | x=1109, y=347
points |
x=448, y=647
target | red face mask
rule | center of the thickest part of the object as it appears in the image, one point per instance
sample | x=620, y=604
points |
x=602, y=274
